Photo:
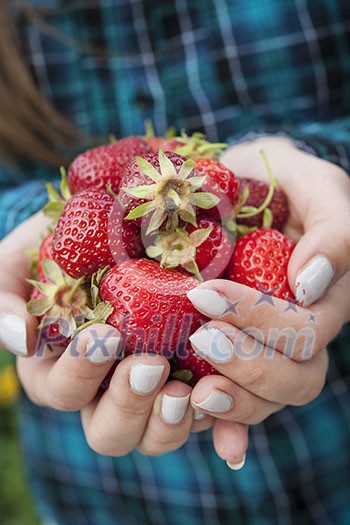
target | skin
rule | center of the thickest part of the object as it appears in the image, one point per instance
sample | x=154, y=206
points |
x=120, y=420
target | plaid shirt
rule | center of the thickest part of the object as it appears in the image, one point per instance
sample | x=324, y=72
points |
x=224, y=67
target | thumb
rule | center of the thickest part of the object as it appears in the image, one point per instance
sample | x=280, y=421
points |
x=320, y=258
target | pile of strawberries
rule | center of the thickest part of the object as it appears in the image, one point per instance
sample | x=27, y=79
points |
x=140, y=222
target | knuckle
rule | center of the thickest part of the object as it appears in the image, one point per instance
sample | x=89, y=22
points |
x=125, y=405
x=310, y=391
x=61, y=401
x=254, y=379
x=106, y=447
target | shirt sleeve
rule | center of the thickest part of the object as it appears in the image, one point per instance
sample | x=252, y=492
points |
x=19, y=203
x=328, y=140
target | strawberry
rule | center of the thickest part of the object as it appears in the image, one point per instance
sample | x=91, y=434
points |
x=220, y=181
x=195, y=365
x=166, y=144
x=102, y=166
x=164, y=188
x=80, y=244
x=44, y=252
x=258, y=191
x=63, y=304
x=91, y=233
x=204, y=252
x=260, y=260
x=151, y=308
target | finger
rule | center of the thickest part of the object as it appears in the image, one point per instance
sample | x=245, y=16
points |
x=170, y=421
x=115, y=423
x=201, y=421
x=220, y=397
x=322, y=255
x=230, y=440
x=18, y=329
x=71, y=380
x=298, y=332
x=258, y=369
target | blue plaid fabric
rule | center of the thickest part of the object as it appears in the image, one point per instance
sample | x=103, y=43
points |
x=224, y=67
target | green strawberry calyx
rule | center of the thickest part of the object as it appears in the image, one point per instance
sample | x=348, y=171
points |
x=178, y=248
x=57, y=201
x=66, y=300
x=197, y=146
x=172, y=196
x=244, y=212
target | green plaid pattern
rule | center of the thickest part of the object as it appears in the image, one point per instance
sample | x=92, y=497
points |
x=224, y=67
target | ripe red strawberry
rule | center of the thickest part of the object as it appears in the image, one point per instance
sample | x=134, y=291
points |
x=204, y=251
x=214, y=254
x=221, y=182
x=195, y=364
x=163, y=143
x=258, y=191
x=260, y=260
x=104, y=165
x=151, y=308
x=164, y=188
x=91, y=234
x=44, y=252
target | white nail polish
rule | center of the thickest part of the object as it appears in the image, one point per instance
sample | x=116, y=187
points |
x=217, y=401
x=209, y=301
x=236, y=466
x=100, y=350
x=212, y=343
x=174, y=408
x=312, y=282
x=13, y=334
x=198, y=415
x=145, y=378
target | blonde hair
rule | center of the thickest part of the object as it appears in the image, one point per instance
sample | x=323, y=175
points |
x=30, y=127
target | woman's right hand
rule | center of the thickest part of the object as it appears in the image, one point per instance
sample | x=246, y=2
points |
x=138, y=410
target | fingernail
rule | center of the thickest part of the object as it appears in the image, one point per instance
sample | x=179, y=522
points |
x=13, y=334
x=212, y=343
x=312, y=282
x=174, y=408
x=209, y=301
x=198, y=415
x=99, y=350
x=236, y=466
x=145, y=378
x=217, y=401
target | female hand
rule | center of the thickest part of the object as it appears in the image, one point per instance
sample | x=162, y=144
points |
x=138, y=410
x=272, y=353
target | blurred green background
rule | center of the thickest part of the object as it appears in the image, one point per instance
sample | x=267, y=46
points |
x=16, y=507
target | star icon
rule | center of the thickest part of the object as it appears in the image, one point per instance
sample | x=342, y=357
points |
x=312, y=318
x=232, y=307
x=265, y=298
x=291, y=306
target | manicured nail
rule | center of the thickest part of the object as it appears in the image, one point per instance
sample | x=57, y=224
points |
x=100, y=350
x=145, y=378
x=217, y=401
x=209, y=301
x=312, y=282
x=236, y=466
x=174, y=408
x=13, y=334
x=212, y=343
x=198, y=415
